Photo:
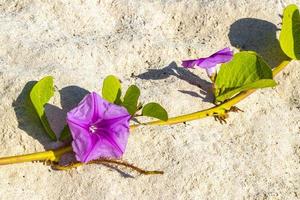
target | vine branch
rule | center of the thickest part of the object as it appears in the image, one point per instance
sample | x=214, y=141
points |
x=107, y=161
x=216, y=111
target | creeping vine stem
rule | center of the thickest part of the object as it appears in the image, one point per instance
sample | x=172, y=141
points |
x=216, y=111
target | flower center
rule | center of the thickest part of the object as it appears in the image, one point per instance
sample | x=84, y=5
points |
x=93, y=128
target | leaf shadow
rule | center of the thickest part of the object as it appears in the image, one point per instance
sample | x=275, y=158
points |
x=70, y=97
x=27, y=118
x=173, y=70
x=29, y=122
x=250, y=34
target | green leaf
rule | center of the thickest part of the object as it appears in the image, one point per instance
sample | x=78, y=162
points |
x=155, y=110
x=111, y=90
x=131, y=99
x=40, y=94
x=290, y=32
x=65, y=134
x=245, y=71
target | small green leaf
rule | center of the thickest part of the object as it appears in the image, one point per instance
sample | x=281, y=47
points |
x=131, y=99
x=155, y=110
x=245, y=71
x=40, y=94
x=290, y=32
x=65, y=134
x=111, y=90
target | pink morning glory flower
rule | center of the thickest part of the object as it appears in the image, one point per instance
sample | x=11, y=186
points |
x=98, y=128
x=210, y=63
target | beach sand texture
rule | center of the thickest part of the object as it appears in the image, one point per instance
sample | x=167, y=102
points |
x=256, y=155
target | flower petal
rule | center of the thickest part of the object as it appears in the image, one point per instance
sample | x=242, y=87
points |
x=82, y=141
x=104, y=147
x=115, y=119
x=84, y=113
x=211, y=70
x=222, y=56
x=98, y=128
x=191, y=63
x=114, y=131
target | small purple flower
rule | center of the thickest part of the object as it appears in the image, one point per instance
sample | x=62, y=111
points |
x=211, y=62
x=99, y=128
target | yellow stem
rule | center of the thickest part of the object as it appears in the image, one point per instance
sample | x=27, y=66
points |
x=214, y=111
x=51, y=155
x=55, y=155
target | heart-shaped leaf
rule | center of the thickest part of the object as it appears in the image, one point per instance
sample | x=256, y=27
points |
x=131, y=99
x=290, y=32
x=245, y=71
x=40, y=94
x=155, y=110
x=111, y=90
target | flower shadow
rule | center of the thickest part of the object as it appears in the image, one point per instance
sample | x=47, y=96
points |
x=250, y=34
x=173, y=70
x=29, y=122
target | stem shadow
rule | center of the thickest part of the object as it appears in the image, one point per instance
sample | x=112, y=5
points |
x=122, y=173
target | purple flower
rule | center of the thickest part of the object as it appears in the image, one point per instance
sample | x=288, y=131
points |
x=211, y=62
x=98, y=128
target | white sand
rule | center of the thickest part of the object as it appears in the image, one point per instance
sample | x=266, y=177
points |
x=256, y=155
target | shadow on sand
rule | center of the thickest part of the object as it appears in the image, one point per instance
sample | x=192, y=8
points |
x=257, y=35
x=173, y=70
x=247, y=34
x=28, y=120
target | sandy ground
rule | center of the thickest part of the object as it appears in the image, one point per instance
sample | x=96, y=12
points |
x=256, y=155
